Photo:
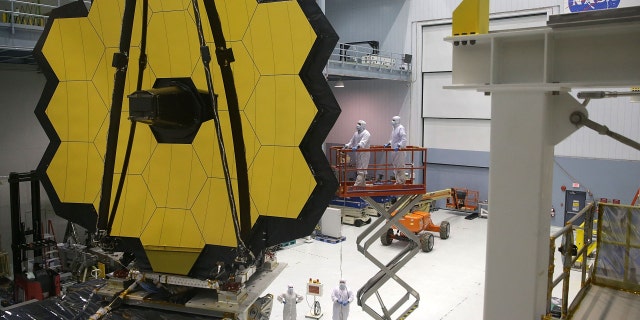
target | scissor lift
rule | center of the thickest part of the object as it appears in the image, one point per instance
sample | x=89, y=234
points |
x=381, y=182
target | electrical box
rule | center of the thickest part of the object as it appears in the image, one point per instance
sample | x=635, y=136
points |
x=574, y=201
x=314, y=288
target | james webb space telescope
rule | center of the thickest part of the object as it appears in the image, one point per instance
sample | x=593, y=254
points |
x=197, y=197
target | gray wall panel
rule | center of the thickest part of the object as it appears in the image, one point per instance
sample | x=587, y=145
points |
x=611, y=179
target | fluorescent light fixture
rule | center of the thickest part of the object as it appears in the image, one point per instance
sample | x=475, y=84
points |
x=339, y=84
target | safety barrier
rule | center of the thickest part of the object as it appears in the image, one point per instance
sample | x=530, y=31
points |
x=568, y=260
x=367, y=54
x=380, y=176
x=21, y=13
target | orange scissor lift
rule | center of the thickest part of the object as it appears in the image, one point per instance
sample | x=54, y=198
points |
x=381, y=182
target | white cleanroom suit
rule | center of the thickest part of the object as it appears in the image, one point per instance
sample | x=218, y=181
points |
x=289, y=299
x=360, y=140
x=341, y=297
x=398, y=141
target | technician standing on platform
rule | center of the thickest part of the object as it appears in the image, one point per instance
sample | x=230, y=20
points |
x=360, y=140
x=290, y=299
x=398, y=141
x=341, y=297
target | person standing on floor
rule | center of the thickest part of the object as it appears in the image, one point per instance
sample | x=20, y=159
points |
x=289, y=299
x=341, y=297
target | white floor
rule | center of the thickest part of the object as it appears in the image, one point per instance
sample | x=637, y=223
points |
x=449, y=279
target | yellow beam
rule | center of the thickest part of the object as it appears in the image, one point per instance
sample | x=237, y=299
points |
x=471, y=17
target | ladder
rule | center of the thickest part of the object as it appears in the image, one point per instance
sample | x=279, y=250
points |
x=388, y=271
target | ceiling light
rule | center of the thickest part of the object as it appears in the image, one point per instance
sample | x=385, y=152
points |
x=339, y=84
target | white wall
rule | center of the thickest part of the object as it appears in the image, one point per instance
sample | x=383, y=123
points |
x=22, y=139
x=448, y=115
x=374, y=101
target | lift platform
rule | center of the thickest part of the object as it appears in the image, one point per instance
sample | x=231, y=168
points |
x=380, y=178
x=380, y=181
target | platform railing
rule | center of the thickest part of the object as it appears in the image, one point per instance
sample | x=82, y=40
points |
x=568, y=260
x=380, y=177
x=28, y=14
x=371, y=57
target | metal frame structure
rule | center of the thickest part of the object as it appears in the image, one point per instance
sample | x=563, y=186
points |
x=388, y=271
x=587, y=213
x=410, y=194
x=528, y=73
x=344, y=167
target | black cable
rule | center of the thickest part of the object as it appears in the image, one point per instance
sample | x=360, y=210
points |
x=206, y=58
x=120, y=62
x=142, y=65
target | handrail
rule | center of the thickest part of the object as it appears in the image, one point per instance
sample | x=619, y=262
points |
x=370, y=57
x=31, y=13
x=567, y=242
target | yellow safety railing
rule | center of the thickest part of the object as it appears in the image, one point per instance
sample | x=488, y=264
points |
x=568, y=259
x=32, y=13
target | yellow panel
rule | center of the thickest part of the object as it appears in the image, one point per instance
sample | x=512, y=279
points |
x=245, y=73
x=281, y=180
x=80, y=46
x=135, y=208
x=173, y=5
x=303, y=186
x=206, y=146
x=175, y=40
x=261, y=110
x=52, y=50
x=251, y=143
x=80, y=162
x=212, y=214
x=171, y=260
x=143, y=144
x=284, y=48
x=302, y=35
x=152, y=231
x=103, y=77
x=72, y=122
x=259, y=42
x=172, y=228
x=285, y=115
x=471, y=16
x=305, y=110
x=106, y=18
x=191, y=237
x=279, y=38
x=280, y=110
x=260, y=174
x=279, y=175
x=235, y=17
x=174, y=176
x=200, y=81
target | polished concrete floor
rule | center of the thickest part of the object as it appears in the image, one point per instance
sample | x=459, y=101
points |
x=449, y=279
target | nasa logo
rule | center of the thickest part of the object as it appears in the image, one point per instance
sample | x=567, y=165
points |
x=586, y=5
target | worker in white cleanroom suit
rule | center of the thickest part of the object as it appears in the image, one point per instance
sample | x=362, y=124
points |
x=398, y=141
x=360, y=140
x=289, y=299
x=341, y=297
